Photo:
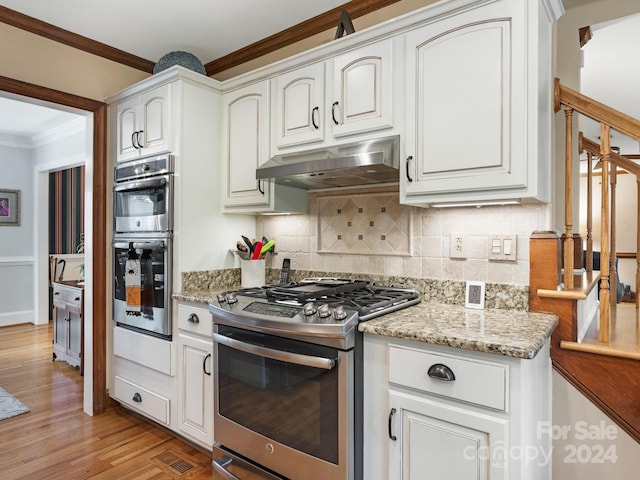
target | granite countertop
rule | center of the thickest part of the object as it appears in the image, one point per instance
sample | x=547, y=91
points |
x=505, y=332
x=513, y=333
x=199, y=296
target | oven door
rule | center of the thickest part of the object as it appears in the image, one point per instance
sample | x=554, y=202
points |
x=284, y=404
x=143, y=205
x=154, y=254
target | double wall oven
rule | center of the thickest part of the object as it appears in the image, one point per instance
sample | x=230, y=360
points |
x=288, y=391
x=143, y=231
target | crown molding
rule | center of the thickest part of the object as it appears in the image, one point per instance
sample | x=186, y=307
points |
x=53, y=134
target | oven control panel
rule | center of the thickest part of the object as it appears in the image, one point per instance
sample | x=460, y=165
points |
x=272, y=309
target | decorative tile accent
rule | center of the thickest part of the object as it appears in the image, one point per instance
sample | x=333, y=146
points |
x=364, y=224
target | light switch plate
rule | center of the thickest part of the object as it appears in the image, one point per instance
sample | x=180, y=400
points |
x=503, y=247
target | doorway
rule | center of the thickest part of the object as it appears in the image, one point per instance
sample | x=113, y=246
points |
x=95, y=235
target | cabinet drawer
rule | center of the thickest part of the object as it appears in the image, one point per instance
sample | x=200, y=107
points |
x=195, y=319
x=146, y=350
x=139, y=398
x=475, y=382
x=63, y=297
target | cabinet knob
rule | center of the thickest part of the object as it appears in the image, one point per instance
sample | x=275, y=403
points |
x=193, y=318
x=137, y=397
x=440, y=371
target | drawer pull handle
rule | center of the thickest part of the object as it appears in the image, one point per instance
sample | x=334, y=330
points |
x=441, y=372
x=137, y=397
x=391, y=414
x=193, y=318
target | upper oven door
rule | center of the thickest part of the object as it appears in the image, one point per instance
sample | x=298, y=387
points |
x=144, y=205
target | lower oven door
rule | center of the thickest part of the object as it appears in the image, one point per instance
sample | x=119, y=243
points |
x=286, y=405
x=154, y=254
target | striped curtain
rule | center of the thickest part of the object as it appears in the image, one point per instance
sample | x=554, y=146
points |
x=66, y=210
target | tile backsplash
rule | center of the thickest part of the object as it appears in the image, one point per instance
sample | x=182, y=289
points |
x=368, y=224
x=423, y=251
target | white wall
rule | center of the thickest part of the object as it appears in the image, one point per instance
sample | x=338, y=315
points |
x=16, y=242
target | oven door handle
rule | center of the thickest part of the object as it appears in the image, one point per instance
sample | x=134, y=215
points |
x=145, y=183
x=297, y=358
x=142, y=245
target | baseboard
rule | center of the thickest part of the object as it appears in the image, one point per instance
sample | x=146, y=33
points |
x=16, y=318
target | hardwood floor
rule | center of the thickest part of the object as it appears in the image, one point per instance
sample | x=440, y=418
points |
x=57, y=440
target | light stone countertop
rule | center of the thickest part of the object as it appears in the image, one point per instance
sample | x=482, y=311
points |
x=513, y=333
x=505, y=332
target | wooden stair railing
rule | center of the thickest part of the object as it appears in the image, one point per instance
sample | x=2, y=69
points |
x=608, y=376
x=608, y=119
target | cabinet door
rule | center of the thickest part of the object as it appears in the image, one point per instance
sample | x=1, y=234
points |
x=362, y=89
x=127, y=121
x=196, y=388
x=246, y=145
x=465, y=88
x=155, y=125
x=59, y=330
x=298, y=106
x=438, y=440
x=74, y=348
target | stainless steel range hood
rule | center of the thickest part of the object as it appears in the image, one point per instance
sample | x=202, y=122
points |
x=363, y=163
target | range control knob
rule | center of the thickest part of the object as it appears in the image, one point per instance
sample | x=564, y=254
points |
x=309, y=309
x=324, y=311
x=339, y=313
x=232, y=298
x=221, y=298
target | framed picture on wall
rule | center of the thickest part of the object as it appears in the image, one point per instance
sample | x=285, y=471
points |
x=9, y=207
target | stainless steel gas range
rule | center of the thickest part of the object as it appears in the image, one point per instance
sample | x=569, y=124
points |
x=288, y=389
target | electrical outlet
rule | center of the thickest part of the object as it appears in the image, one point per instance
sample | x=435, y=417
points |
x=458, y=245
x=503, y=247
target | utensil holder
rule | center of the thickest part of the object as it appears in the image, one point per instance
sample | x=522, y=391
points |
x=252, y=273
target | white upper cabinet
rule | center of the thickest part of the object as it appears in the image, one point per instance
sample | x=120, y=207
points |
x=246, y=144
x=298, y=106
x=478, y=106
x=144, y=124
x=321, y=103
x=362, y=90
x=245, y=147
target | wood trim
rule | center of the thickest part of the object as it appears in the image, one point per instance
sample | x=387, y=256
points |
x=306, y=29
x=603, y=406
x=57, y=34
x=597, y=111
x=99, y=110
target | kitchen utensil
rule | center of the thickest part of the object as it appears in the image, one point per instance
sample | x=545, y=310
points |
x=267, y=246
x=249, y=244
x=256, y=251
x=241, y=246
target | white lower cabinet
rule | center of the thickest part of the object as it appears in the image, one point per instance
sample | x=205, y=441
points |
x=448, y=413
x=445, y=441
x=195, y=361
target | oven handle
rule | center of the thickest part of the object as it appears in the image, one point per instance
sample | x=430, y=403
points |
x=144, y=183
x=143, y=245
x=297, y=358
